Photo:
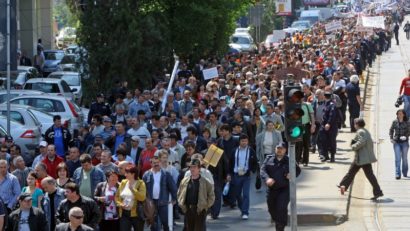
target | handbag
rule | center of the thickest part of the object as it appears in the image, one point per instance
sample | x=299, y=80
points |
x=258, y=182
x=149, y=211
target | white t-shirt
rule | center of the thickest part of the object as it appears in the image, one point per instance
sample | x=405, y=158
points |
x=127, y=196
x=142, y=133
x=157, y=185
x=268, y=143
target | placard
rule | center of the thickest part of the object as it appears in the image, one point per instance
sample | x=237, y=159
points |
x=332, y=26
x=210, y=73
x=374, y=22
x=213, y=155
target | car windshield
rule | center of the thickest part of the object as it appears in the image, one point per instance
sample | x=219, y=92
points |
x=72, y=80
x=68, y=59
x=44, y=87
x=240, y=40
x=53, y=55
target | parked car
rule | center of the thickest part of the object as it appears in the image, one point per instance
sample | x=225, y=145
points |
x=52, y=59
x=31, y=116
x=73, y=79
x=51, y=86
x=14, y=93
x=301, y=25
x=242, y=42
x=55, y=105
x=26, y=136
x=24, y=74
x=67, y=63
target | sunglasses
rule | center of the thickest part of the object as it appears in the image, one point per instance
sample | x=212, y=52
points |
x=78, y=217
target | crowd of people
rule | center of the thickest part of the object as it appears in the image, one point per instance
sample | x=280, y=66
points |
x=135, y=159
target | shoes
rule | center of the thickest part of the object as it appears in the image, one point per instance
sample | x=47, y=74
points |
x=305, y=164
x=342, y=189
x=398, y=177
x=377, y=196
x=214, y=217
x=245, y=217
x=344, y=126
x=323, y=158
x=313, y=150
x=332, y=160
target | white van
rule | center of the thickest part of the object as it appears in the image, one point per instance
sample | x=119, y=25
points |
x=316, y=14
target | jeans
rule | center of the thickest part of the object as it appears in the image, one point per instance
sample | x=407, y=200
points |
x=242, y=185
x=302, y=147
x=406, y=99
x=161, y=217
x=400, y=154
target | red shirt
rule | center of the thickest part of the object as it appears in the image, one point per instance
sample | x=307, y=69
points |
x=51, y=166
x=145, y=160
x=405, y=84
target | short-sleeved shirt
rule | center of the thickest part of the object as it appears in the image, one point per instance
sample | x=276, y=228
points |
x=307, y=109
x=352, y=91
x=85, y=186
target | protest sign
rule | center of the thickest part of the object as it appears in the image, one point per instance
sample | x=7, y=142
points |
x=213, y=155
x=210, y=73
x=332, y=26
x=374, y=22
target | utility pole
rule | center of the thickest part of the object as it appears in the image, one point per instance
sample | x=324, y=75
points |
x=8, y=15
x=292, y=187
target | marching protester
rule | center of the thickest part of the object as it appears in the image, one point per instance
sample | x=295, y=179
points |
x=76, y=217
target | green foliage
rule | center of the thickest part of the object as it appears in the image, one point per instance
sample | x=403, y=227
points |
x=62, y=14
x=270, y=21
x=134, y=40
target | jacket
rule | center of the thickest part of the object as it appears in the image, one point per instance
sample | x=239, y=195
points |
x=49, y=136
x=167, y=186
x=97, y=176
x=139, y=192
x=260, y=138
x=398, y=129
x=110, y=142
x=45, y=204
x=36, y=220
x=66, y=227
x=206, y=195
x=92, y=213
x=277, y=170
x=362, y=145
x=252, y=162
x=100, y=192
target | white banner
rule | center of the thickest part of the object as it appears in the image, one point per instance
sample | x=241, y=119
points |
x=284, y=7
x=374, y=22
x=332, y=26
x=210, y=73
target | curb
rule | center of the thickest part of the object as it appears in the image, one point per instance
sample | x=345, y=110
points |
x=321, y=219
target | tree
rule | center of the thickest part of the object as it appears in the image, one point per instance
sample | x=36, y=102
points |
x=135, y=40
x=62, y=14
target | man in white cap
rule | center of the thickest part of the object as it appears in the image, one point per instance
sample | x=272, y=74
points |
x=42, y=155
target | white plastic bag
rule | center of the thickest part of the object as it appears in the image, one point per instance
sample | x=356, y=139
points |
x=226, y=189
x=361, y=115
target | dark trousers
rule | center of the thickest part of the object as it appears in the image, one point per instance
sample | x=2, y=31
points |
x=302, y=147
x=278, y=201
x=195, y=221
x=161, y=217
x=314, y=137
x=396, y=36
x=408, y=35
x=354, y=111
x=126, y=223
x=368, y=171
x=216, y=207
x=328, y=141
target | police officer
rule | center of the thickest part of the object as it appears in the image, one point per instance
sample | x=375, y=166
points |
x=275, y=173
x=99, y=107
x=328, y=129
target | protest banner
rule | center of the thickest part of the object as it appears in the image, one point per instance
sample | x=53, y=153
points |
x=332, y=26
x=210, y=73
x=373, y=22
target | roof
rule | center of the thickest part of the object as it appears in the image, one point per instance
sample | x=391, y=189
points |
x=44, y=80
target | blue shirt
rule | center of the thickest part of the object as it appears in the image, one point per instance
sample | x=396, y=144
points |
x=58, y=142
x=10, y=190
x=118, y=140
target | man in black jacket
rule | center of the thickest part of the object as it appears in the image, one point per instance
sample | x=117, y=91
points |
x=59, y=136
x=99, y=107
x=27, y=217
x=76, y=221
x=275, y=173
x=92, y=213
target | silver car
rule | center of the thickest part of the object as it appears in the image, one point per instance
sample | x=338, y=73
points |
x=50, y=86
x=55, y=105
x=73, y=79
x=31, y=116
x=27, y=137
x=15, y=93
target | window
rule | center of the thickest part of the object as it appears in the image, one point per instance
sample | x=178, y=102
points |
x=3, y=98
x=14, y=115
x=23, y=101
x=44, y=104
x=42, y=86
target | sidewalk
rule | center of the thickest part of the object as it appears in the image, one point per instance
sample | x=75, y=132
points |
x=391, y=212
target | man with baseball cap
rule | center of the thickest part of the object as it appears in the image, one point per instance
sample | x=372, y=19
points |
x=41, y=155
x=27, y=217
